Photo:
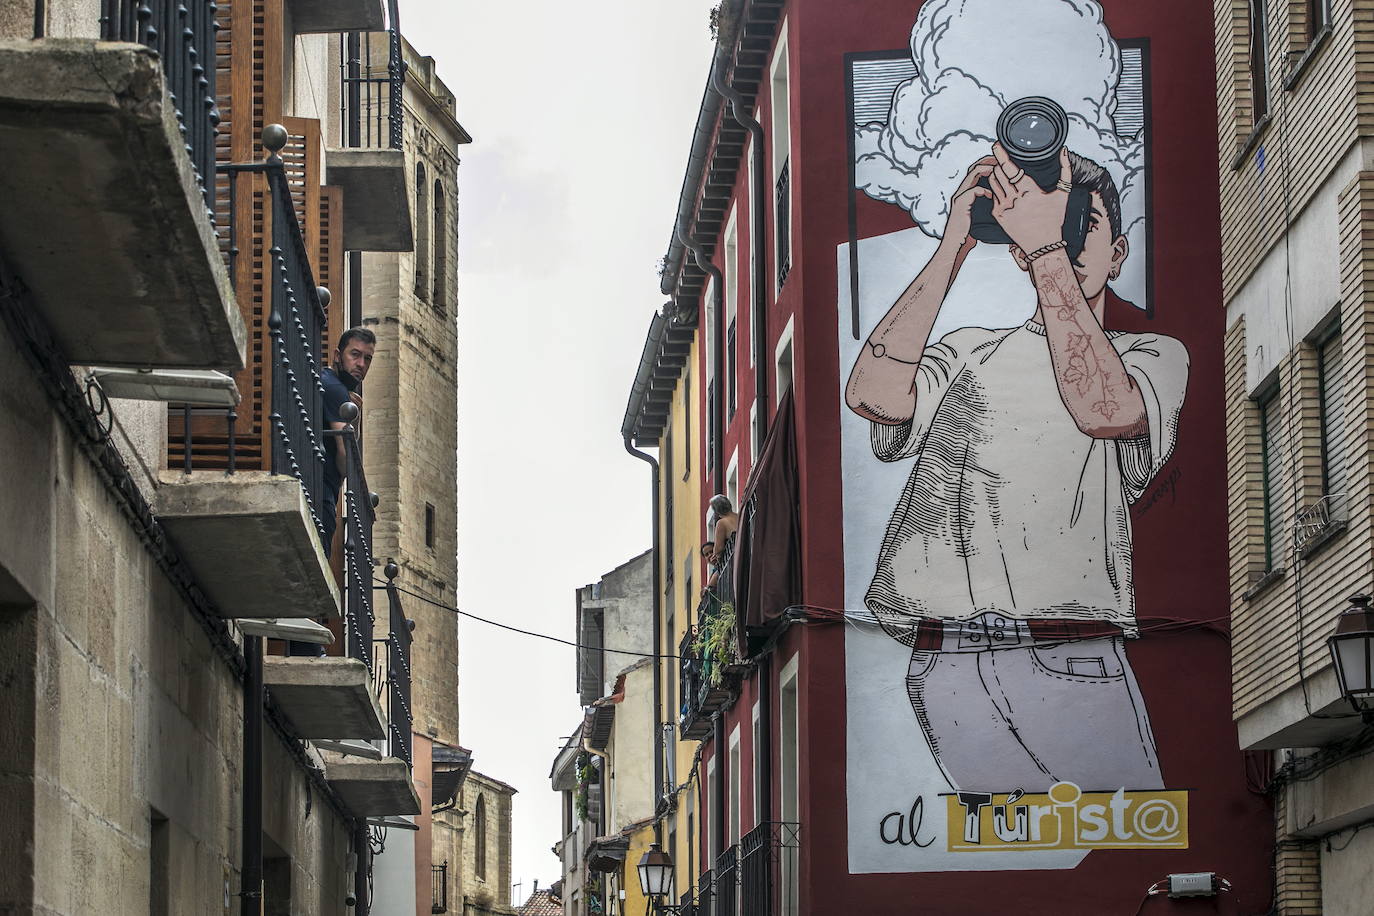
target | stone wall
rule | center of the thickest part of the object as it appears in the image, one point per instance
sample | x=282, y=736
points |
x=120, y=769
x=490, y=887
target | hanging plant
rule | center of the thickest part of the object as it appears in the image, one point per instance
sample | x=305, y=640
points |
x=715, y=643
x=586, y=775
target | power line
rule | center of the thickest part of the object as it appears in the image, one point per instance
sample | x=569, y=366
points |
x=505, y=626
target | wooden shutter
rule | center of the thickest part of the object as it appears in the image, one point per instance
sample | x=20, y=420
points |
x=329, y=267
x=251, y=50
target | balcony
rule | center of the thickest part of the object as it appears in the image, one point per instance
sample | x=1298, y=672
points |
x=105, y=154
x=316, y=16
x=325, y=697
x=438, y=882
x=727, y=881
x=371, y=788
x=369, y=164
x=768, y=867
x=708, y=671
x=706, y=894
x=253, y=536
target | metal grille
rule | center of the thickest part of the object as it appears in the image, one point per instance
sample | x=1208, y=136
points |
x=783, y=229
x=727, y=882
x=764, y=853
x=371, y=80
x=438, y=880
x=183, y=35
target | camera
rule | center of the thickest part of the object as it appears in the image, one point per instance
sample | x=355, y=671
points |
x=1033, y=130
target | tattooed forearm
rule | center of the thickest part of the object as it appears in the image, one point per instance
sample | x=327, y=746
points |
x=1092, y=380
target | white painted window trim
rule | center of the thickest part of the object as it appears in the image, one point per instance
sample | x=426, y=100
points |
x=735, y=789
x=732, y=477
x=784, y=342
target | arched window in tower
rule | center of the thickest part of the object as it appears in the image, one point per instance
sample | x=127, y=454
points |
x=480, y=835
x=440, y=247
x=422, y=232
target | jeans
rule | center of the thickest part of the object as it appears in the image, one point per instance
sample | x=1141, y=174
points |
x=1034, y=714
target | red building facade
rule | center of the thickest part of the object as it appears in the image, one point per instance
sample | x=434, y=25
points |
x=982, y=658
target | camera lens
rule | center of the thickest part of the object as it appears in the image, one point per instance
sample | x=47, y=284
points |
x=1033, y=129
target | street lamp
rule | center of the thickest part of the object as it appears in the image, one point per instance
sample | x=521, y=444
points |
x=1352, y=653
x=656, y=878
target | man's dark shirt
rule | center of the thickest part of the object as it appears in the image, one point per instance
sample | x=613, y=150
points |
x=336, y=390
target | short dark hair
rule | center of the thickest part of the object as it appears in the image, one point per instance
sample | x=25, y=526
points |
x=1090, y=175
x=363, y=334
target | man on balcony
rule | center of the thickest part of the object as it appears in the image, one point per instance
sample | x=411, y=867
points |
x=352, y=360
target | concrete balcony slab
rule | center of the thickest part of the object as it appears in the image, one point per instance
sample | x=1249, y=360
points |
x=249, y=540
x=325, y=697
x=337, y=15
x=371, y=788
x=1300, y=717
x=103, y=218
x=376, y=198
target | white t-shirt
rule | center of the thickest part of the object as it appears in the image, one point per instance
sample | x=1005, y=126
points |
x=1009, y=507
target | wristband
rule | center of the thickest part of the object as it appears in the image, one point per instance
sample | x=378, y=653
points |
x=1042, y=251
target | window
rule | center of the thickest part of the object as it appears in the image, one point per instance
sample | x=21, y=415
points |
x=479, y=830
x=730, y=278
x=760, y=803
x=1318, y=17
x=1332, y=414
x=732, y=481
x=159, y=865
x=782, y=361
x=755, y=435
x=1271, y=440
x=788, y=784
x=429, y=526
x=687, y=424
x=780, y=98
x=422, y=232
x=1259, y=61
x=732, y=825
x=710, y=816
x=440, y=247
x=668, y=507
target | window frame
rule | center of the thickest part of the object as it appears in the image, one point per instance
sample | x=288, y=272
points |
x=1266, y=396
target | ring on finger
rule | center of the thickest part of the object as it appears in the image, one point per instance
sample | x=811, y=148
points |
x=1013, y=179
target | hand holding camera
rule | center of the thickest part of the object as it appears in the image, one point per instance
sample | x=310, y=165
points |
x=1032, y=217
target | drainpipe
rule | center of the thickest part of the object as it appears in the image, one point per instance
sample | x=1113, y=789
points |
x=717, y=357
x=758, y=316
x=250, y=873
x=658, y=636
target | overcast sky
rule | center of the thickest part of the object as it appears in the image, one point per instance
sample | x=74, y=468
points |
x=582, y=115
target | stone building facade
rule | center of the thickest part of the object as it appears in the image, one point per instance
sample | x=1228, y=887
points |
x=485, y=882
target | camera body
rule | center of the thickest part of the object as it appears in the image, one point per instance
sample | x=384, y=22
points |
x=1033, y=130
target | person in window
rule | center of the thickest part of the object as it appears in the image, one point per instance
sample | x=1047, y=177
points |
x=722, y=521
x=1006, y=565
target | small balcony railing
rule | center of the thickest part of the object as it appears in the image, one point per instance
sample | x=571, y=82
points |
x=727, y=881
x=707, y=681
x=371, y=83
x=438, y=881
x=706, y=893
x=768, y=862
x=182, y=32
x=391, y=674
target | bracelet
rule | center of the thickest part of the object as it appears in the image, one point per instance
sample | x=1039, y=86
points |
x=1041, y=252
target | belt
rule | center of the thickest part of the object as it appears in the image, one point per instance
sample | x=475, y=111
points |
x=996, y=631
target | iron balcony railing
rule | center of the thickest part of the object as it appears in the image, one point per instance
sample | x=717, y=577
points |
x=706, y=894
x=687, y=905
x=727, y=881
x=438, y=880
x=182, y=32
x=391, y=674
x=783, y=228
x=768, y=861
x=371, y=82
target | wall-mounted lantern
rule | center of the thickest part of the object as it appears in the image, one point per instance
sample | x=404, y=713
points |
x=1352, y=653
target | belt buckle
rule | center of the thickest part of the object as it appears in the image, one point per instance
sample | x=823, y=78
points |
x=990, y=631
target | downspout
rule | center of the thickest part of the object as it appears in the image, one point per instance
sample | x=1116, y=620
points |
x=250, y=871
x=758, y=316
x=717, y=357
x=658, y=637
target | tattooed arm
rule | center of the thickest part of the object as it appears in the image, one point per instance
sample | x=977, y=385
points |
x=882, y=384
x=1099, y=394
